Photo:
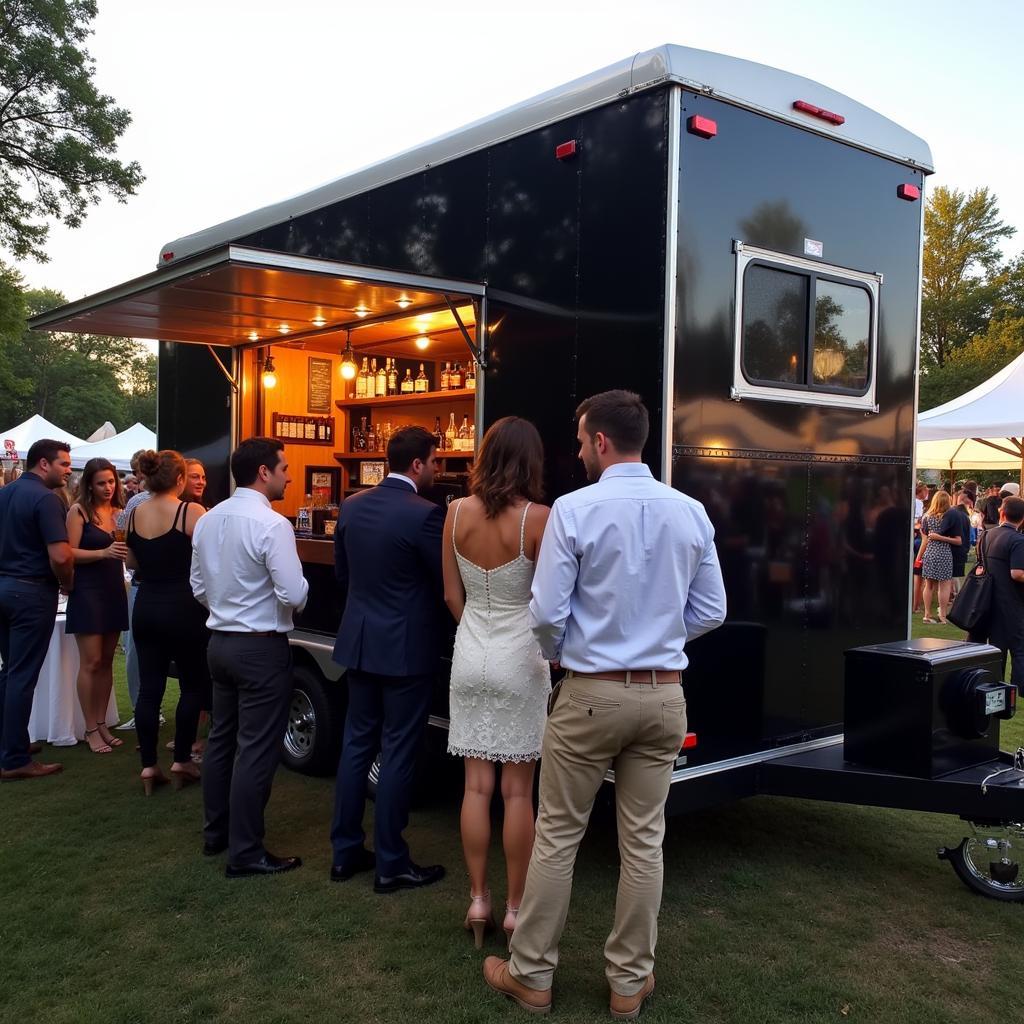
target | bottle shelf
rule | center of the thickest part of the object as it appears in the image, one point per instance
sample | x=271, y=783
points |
x=423, y=398
x=358, y=456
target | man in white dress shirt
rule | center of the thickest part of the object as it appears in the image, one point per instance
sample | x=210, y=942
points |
x=627, y=573
x=246, y=570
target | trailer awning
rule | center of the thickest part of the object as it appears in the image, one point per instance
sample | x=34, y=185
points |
x=242, y=296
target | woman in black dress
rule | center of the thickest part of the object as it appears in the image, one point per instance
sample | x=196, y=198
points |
x=98, y=606
x=168, y=623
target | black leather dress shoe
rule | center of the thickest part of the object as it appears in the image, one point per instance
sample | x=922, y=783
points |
x=415, y=878
x=268, y=864
x=212, y=849
x=365, y=860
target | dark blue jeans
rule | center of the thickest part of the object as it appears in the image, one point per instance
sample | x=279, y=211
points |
x=386, y=714
x=27, y=614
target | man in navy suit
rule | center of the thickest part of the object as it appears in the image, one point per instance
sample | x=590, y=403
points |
x=387, y=552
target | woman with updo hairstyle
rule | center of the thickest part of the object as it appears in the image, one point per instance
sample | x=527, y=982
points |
x=500, y=682
x=168, y=623
x=98, y=606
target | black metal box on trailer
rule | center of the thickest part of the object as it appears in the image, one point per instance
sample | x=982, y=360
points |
x=924, y=707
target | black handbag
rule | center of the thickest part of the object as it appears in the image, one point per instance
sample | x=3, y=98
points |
x=973, y=605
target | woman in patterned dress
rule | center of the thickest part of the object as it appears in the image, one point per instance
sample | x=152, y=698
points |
x=500, y=682
x=936, y=559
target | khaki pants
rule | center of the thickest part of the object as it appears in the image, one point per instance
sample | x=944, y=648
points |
x=597, y=724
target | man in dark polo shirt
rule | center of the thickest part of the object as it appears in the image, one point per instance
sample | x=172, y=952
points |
x=34, y=558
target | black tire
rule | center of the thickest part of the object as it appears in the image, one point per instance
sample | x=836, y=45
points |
x=974, y=865
x=312, y=740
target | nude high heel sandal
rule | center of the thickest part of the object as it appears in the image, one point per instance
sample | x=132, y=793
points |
x=150, y=782
x=479, y=917
x=509, y=924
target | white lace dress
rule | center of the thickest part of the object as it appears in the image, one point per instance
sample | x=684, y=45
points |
x=500, y=680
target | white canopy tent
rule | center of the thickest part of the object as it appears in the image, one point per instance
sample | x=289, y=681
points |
x=102, y=433
x=982, y=429
x=118, y=449
x=35, y=428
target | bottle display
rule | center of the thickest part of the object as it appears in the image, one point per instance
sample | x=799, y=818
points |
x=408, y=384
x=422, y=385
x=362, y=379
x=392, y=383
x=451, y=435
x=381, y=379
x=446, y=377
x=455, y=378
x=463, y=439
x=470, y=381
x=439, y=433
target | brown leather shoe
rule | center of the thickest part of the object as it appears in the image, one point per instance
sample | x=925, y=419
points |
x=532, y=1000
x=32, y=770
x=628, y=1007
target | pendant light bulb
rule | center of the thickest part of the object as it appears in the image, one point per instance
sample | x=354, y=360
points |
x=422, y=342
x=269, y=376
x=348, y=361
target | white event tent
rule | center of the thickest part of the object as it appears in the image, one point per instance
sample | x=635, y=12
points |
x=102, y=433
x=35, y=428
x=118, y=449
x=982, y=429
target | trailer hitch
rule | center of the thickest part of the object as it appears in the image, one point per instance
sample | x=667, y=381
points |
x=1017, y=766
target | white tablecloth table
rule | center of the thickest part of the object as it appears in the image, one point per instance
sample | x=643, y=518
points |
x=56, y=714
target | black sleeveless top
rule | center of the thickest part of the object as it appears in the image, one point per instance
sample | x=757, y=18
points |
x=164, y=561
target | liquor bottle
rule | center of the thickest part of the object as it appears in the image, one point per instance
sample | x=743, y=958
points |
x=372, y=439
x=422, y=385
x=464, y=434
x=392, y=378
x=321, y=429
x=472, y=438
x=470, y=376
x=438, y=433
x=451, y=435
x=455, y=378
x=445, y=378
x=408, y=384
x=309, y=428
x=362, y=380
x=381, y=388
x=361, y=438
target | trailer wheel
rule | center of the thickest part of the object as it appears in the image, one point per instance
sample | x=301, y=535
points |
x=988, y=862
x=312, y=739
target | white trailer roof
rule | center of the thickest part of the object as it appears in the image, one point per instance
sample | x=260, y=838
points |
x=740, y=82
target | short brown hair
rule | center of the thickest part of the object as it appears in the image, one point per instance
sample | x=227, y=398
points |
x=509, y=465
x=161, y=469
x=620, y=415
x=1013, y=510
x=408, y=444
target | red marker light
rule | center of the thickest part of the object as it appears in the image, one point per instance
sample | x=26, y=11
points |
x=702, y=126
x=689, y=741
x=814, y=111
x=908, y=192
x=566, y=150
x=168, y=255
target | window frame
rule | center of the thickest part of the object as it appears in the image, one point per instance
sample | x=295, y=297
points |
x=809, y=393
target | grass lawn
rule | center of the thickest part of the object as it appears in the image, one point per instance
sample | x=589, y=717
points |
x=774, y=910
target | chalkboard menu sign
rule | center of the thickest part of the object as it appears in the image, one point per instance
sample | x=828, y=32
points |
x=319, y=385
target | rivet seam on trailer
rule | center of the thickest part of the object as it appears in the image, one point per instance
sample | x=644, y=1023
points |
x=698, y=451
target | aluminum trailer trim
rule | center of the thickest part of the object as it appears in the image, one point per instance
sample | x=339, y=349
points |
x=742, y=83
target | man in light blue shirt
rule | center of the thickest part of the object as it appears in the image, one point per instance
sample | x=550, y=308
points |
x=627, y=573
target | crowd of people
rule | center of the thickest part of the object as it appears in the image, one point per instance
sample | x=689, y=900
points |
x=948, y=528
x=592, y=586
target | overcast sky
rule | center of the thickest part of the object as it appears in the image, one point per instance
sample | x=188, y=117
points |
x=239, y=103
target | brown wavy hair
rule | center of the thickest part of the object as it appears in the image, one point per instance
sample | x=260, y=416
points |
x=85, y=497
x=161, y=469
x=510, y=465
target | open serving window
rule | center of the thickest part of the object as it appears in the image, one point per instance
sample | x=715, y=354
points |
x=329, y=357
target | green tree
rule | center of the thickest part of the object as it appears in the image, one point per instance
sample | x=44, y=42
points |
x=58, y=132
x=972, y=364
x=961, y=258
x=14, y=389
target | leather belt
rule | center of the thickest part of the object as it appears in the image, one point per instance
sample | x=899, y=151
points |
x=246, y=634
x=636, y=675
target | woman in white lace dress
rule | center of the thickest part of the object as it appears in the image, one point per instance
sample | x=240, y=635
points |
x=500, y=681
